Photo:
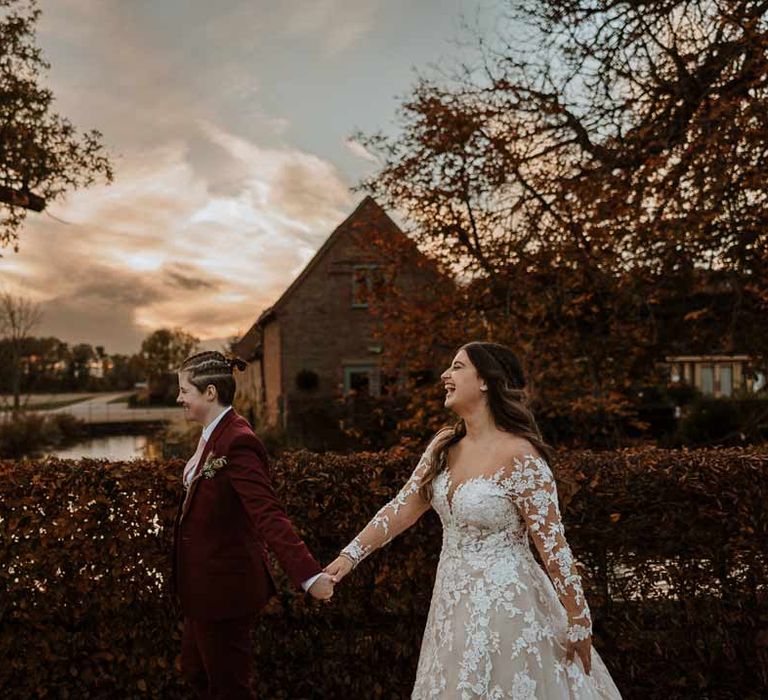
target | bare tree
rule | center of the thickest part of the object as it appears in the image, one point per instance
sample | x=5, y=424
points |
x=18, y=316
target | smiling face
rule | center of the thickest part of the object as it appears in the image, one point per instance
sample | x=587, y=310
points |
x=197, y=404
x=464, y=387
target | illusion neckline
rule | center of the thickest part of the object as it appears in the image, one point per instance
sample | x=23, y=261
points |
x=450, y=496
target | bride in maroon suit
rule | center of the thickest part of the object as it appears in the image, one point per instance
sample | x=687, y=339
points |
x=227, y=518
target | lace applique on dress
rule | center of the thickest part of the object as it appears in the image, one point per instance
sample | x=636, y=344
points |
x=498, y=624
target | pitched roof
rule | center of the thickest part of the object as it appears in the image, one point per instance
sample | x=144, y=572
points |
x=363, y=211
x=367, y=209
x=249, y=346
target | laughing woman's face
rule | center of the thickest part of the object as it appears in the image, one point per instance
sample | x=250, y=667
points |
x=463, y=385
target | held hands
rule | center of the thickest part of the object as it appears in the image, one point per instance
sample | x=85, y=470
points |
x=338, y=568
x=583, y=648
x=322, y=588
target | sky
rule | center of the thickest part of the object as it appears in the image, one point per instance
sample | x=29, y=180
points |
x=229, y=127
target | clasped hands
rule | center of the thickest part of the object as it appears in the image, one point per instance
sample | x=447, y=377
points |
x=323, y=587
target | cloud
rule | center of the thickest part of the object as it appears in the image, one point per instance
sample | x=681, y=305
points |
x=338, y=24
x=162, y=247
x=106, y=299
x=357, y=148
x=304, y=190
x=187, y=278
x=213, y=212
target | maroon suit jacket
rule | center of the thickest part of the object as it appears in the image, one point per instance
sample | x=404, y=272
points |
x=224, y=526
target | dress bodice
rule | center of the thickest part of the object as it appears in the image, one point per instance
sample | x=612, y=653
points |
x=479, y=517
x=480, y=504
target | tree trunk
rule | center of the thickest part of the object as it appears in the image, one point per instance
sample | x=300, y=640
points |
x=16, y=381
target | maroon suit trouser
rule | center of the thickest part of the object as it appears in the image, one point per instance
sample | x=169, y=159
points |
x=216, y=657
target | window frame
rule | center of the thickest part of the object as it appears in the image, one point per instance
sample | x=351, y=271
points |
x=371, y=369
x=368, y=268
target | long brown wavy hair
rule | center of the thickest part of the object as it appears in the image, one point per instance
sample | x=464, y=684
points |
x=499, y=367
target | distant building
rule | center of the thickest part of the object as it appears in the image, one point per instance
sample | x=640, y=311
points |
x=708, y=341
x=720, y=376
x=316, y=342
x=98, y=367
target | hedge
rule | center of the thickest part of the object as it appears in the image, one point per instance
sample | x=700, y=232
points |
x=673, y=547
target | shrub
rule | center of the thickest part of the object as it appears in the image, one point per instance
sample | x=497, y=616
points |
x=30, y=433
x=178, y=439
x=139, y=400
x=68, y=426
x=672, y=545
x=711, y=421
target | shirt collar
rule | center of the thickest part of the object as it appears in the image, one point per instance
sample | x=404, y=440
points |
x=208, y=429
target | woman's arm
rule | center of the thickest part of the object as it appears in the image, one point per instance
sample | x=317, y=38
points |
x=393, y=519
x=535, y=494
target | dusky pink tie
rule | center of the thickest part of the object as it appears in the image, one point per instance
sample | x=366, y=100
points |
x=189, y=468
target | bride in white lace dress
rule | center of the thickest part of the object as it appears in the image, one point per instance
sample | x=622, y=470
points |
x=498, y=626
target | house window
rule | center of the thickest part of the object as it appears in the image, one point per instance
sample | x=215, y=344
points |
x=707, y=380
x=726, y=380
x=363, y=279
x=362, y=379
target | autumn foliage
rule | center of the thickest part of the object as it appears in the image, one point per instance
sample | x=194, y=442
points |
x=592, y=179
x=672, y=546
x=42, y=154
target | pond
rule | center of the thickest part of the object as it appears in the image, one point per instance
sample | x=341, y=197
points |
x=111, y=447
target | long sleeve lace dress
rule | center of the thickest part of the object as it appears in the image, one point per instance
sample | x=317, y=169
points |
x=497, y=624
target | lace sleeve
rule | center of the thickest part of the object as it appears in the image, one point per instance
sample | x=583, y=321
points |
x=394, y=518
x=535, y=494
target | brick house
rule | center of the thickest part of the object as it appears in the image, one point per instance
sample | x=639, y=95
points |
x=316, y=342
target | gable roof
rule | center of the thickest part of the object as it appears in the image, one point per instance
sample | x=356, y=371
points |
x=367, y=209
x=363, y=211
x=249, y=346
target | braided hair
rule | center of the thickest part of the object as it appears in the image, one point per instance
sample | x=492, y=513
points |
x=212, y=368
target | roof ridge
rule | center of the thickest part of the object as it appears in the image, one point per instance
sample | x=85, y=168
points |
x=325, y=247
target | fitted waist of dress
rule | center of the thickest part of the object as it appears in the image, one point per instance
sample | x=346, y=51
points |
x=472, y=542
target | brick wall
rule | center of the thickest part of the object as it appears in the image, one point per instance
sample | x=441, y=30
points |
x=321, y=330
x=315, y=326
x=273, y=373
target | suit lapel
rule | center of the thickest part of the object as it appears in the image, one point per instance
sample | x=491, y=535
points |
x=217, y=432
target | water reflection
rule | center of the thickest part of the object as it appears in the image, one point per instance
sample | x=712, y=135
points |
x=112, y=447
